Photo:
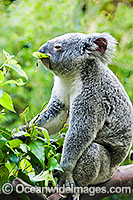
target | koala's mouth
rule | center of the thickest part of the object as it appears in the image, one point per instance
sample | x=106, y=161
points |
x=46, y=62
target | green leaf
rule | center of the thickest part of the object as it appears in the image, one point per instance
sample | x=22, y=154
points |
x=10, y=166
x=9, y=82
x=2, y=141
x=5, y=133
x=1, y=92
x=40, y=55
x=25, y=165
x=46, y=135
x=33, y=131
x=64, y=130
x=6, y=102
x=18, y=69
x=1, y=76
x=15, y=143
x=49, y=151
x=58, y=157
x=25, y=112
x=14, y=62
x=37, y=148
x=14, y=158
x=60, y=141
x=24, y=147
x=23, y=176
x=8, y=56
x=18, y=82
x=53, y=164
x=4, y=70
x=3, y=175
x=20, y=133
x=1, y=156
x=3, y=117
x=45, y=176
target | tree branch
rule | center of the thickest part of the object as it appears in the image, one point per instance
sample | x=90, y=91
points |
x=122, y=178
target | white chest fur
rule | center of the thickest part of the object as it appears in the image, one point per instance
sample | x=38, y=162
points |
x=67, y=89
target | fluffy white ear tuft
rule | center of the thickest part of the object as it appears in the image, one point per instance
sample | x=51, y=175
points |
x=102, y=46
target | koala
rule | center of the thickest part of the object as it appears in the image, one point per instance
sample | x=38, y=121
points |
x=90, y=98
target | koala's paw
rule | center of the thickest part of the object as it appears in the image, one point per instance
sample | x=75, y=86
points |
x=66, y=180
x=69, y=182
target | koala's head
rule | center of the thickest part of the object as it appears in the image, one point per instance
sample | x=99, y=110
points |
x=72, y=51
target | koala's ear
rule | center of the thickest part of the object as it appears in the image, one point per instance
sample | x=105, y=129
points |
x=101, y=44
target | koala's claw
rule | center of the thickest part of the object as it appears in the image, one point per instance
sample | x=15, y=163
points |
x=70, y=182
x=76, y=196
x=66, y=180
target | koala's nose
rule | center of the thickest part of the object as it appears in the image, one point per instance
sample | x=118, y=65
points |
x=43, y=48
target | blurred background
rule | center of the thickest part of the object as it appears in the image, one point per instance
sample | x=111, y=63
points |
x=26, y=25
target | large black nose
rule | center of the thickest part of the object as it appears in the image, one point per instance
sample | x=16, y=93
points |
x=43, y=48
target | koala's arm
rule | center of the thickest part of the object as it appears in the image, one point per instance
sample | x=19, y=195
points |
x=52, y=117
x=84, y=125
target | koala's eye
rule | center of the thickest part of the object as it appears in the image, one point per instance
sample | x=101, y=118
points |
x=58, y=47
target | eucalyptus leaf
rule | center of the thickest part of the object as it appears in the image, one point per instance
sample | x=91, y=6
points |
x=60, y=141
x=40, y=55
x=25, y=165
x=1, y=76
x=37, y=148
x=2, y=142
x=14, y=158
x=1, y=156
x=8, y=56
x=5, y=133
x=6, y=102
x=24, y=147
x=53, y=164
x=15, y=143
x=45, y=176
x=20, y=133
x=18, y=69
x=58, y=157
x=3, y=117
x=18, y=82
x=46, y=135
x=24, y=177
x=25, y=112
x=3, y=175
x=1, y=92
x=10, y=166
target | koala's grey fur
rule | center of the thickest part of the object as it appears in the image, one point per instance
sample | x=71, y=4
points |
x=88, y=96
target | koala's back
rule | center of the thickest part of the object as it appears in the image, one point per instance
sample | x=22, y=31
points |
x=116, y=133
x=116, y=96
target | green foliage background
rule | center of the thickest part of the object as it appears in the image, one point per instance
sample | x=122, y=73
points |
x=26, y=25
